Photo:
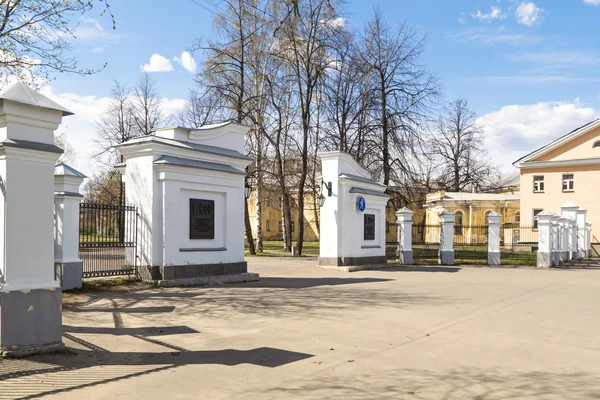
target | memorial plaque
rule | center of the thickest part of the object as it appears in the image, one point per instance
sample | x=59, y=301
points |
x=369, y=233
x=202, y=219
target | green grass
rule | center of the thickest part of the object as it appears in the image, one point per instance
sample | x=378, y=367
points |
x=475, y=255
x=95, y=238
x=274, y=248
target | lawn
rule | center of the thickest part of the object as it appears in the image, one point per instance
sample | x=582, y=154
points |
x=274, y=248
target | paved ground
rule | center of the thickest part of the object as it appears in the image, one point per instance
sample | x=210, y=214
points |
x=307, y=333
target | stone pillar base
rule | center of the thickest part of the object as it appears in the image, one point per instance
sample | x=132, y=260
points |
x=349, y=261
x=567, y=256
x=589, y=253
x=69, y=275
x=493, y=258
x=405, y=256
x=30, y=322
x=544, y=260
x=555, y=258
x=582, y=254
x=574, y=255
x=446, y=257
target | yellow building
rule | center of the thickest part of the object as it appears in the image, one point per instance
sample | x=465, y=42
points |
x=470, y=213
x=567, y=169
x=272, y=216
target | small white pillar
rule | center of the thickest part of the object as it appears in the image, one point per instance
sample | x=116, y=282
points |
x=404, y=225
x=588, y=238
x=68, y=268
x=554, y=249
x=562, y=239
x=446, y=252
x=581, y=242
x=494, y=238
x=569, y=210
x=30, y=297
x=544, y=253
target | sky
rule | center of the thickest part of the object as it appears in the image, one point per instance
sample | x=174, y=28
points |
x=529, y=69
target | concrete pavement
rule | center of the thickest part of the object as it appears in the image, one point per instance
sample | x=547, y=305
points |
x=307, y=333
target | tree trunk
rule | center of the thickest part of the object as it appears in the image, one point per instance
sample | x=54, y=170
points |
x=249, y=238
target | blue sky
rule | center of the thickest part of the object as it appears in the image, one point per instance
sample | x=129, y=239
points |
x=529, y=69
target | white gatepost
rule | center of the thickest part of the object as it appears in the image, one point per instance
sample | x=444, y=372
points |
x=554, y=244
x=30, y=297
x=446, y=252
x=581, y=242
x=562, y=239
x=68, y=268
x=188, y=187
x=588, y=238
x=569, y=210
x=494, y=238
x=544, y=253
x=352, y=214
x=404, y=252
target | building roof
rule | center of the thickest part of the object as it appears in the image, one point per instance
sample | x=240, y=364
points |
x=21, y=93
x=185, y=162
x=357, y=178
x=64, y=169
x=467, y=196
x=558, y=142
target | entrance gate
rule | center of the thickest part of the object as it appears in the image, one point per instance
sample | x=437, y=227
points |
x=107, y=239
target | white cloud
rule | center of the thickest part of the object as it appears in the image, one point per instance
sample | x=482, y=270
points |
x=338, y=22
x=93, y=22
x=495, y=13
x=98, y=50
x=592, y=2
x=157, y=63
x=462, y=18
x=570, y=58
x=517, y=130
x=80, y=129
x=187, y=61
x=490, y=37
x=529, y=14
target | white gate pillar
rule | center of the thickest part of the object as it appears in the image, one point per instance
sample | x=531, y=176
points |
x=555, y=259
x=581, y=242
x=569, y=210
x=30, y=297
x=68, y=268
x=446, y=252
x=404, y=227
x=494, y=238
x=544, y=253
x=588, y=238
x=562, y=239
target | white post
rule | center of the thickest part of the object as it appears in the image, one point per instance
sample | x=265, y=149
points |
x=404, y=226
x=588, y=238
x=67, y=265
x=569, y=210
x=544, y=253
x=562, y=239
x=494, y=238
x=30, y=297
x=446, y=252
x=555, y=239
x=581, y=243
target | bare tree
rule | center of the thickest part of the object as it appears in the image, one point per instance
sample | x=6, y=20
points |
x=402, y=93
x=35, y=37
x=305, y=44
x=200, y=109
x=458, y=145
x=146, y=106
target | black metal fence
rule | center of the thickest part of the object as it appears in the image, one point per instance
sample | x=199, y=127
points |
x=518, y=244
x=426, y=243
x=471, y=244
x=107, y=239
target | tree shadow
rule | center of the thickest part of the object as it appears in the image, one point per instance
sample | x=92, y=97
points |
x=420, y=268
x=457, y=384
x=304, y=283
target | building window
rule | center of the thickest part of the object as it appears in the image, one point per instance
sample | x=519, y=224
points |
x=535, y=220
x=517, y=217
x=293, y=226
x=268, y=226
x=280, y=226
x=568, y=182
x=538, y=183
x=458, y=222
x=597, y=144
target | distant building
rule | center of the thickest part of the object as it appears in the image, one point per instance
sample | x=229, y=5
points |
x=567, y=169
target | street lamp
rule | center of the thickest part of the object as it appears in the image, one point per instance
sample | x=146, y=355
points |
x=321, y=200
x=247, y=189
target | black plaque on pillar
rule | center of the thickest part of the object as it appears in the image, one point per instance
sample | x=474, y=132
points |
x=369, y=227
x=202, y=219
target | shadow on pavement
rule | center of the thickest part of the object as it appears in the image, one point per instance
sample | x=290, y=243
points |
x=420, y=268
x=304, y=283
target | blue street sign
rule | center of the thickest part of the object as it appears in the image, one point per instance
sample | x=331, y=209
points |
x=361, y=203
